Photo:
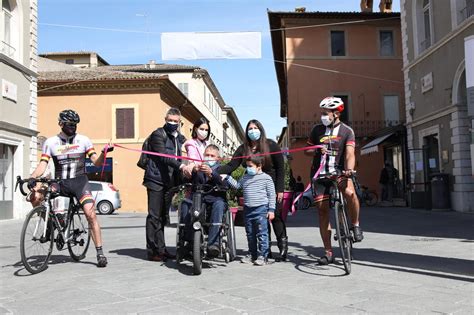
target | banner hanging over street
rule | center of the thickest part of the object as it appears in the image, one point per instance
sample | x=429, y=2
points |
x=211, y=45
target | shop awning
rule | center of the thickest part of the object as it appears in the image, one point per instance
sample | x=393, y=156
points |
x=373, y=146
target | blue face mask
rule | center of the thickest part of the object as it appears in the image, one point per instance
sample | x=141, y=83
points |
x=254, y=134
x=251, y=170
x=210, y=162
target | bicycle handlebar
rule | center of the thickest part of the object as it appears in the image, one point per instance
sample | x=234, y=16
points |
x=200, y=187
x=20, y=182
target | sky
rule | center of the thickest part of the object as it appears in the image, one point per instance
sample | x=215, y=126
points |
x=249, y=85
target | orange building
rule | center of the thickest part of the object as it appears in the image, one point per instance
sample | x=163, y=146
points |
x=355, y=56
x=119, y=107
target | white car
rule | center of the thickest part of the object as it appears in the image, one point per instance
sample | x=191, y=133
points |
x=106, y=196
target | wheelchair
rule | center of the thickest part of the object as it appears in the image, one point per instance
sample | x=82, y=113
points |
x=199, y=212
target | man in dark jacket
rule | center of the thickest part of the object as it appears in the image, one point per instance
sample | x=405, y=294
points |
x=161, y=174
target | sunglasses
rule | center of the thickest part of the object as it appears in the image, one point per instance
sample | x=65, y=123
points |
x=70, y=125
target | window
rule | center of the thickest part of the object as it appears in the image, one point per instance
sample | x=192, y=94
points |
x=125, y=123
x=183, y=87
x=391, y=110
x=70, y=61
x=386, y=43
x=6, y=172
x=7, y=47
x=345, y=114
x=205, y=98
x=338, y=46
x=95, y=187
x=427, y=25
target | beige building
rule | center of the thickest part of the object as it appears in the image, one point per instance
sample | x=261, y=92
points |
x=18, y=108
x=123, y=108
x=124, y=104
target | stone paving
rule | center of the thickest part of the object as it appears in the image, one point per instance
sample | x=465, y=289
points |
x=411, y=261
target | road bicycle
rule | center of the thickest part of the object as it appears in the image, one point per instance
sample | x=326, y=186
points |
x=337, y=203
x=43, y=228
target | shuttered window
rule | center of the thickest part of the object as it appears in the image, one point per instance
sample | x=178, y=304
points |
x=125, y=123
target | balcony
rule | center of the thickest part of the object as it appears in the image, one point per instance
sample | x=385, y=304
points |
x=468, y=11
x=362, y=128
x=7, y=49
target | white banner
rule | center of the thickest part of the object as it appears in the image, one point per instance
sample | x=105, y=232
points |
x=222, y=45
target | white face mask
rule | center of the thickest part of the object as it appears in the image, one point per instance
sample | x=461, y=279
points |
x=326, y=120
x=202, y=134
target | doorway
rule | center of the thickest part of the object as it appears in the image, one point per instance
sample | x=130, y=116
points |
x=6, y=181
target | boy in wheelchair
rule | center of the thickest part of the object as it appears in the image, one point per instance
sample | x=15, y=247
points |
x=216, y=201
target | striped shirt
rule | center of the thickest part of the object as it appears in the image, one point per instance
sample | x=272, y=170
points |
x=258, y=190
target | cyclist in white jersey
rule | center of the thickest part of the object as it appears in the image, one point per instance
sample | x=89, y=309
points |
x=68, y=150
x=338, y=140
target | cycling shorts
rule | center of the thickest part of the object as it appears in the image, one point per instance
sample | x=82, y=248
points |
x=77, y=187
x=321, y=191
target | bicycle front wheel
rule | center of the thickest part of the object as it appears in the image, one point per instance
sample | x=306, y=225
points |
x=197, y=252
x=80, y=236
x=231, y=236
x=343, y=235
x=35, y=245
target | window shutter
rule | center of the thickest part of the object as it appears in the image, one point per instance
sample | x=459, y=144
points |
x=125, y=123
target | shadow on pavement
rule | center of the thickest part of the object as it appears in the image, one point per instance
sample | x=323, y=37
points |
x=53, y=260
x=425, y=265
x=402, y=221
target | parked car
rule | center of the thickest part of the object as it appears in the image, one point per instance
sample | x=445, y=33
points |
x=305, y=201
x=107, y=197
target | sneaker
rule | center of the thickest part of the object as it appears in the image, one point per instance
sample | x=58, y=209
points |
x=260, y=261
x=326, y=260
x=158, y=258
x=213, y=251
x=247, y=259
x=101, y=261
x=358, y=234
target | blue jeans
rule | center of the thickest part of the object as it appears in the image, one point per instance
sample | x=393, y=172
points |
x=256, y=227
x=215, y=219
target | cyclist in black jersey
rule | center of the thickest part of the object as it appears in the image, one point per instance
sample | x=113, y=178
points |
x=338, y=140
x=68, y=150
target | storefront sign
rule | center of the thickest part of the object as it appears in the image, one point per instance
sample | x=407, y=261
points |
x=91, y=168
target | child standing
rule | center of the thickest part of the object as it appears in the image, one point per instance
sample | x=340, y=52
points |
x=259, y=206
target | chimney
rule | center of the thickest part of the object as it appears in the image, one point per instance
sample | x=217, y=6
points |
x=152, y=64
x=385, y=6
x=300, y=10
x=366, y=5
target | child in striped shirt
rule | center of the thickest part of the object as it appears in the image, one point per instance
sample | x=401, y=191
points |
x=259, y=206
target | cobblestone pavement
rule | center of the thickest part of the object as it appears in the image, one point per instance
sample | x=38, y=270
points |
x=411, y=261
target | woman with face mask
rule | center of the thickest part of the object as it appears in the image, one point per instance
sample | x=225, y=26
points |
x=257, y=142
x=195, y=146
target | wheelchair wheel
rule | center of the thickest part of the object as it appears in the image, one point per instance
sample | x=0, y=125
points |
x=197, y=252
x=231, y=244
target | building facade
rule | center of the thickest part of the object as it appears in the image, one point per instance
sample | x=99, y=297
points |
x=18, y=104
x=116, y=107
x=438, y=54
x=355, y=56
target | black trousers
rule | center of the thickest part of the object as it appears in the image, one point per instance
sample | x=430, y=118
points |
x=159, y=202
x=279, y=226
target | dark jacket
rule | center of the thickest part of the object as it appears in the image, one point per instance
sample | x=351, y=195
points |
x=276, y=169
x=163, y=171
x=214, y=180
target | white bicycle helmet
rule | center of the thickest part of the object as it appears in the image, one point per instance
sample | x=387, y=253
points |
x=332, y=103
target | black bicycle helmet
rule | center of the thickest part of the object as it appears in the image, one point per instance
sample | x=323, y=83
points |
x=69, y=116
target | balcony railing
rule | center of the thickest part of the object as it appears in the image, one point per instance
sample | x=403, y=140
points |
x=362, y=128
x=468, y=11
x=7, y=49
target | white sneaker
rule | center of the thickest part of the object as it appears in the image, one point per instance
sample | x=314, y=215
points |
x=260, y=261
x=247, y=259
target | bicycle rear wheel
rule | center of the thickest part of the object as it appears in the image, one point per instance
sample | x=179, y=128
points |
x=371, y=198
x=343, y=235
x=35, y=248
x=80, y=236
